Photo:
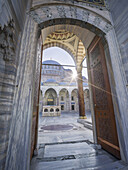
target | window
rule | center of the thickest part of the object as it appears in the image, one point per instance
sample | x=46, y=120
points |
x=62, y=107
x=45, y=110
x=57, y=110
x=73, y=98
x=62, y=98
x=51, y=110
x=73, y=107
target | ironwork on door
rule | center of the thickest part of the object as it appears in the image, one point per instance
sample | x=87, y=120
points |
x=102, y=97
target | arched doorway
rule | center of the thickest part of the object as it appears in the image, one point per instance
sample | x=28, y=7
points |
x=105, y=27
x=50, y=97
x=106, y=143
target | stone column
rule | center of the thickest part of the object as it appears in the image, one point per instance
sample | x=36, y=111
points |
x=43, y=100
x=70, y=109
x=80, y=93
x=58, y=100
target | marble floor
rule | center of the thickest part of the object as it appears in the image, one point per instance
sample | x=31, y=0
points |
x=65, y=144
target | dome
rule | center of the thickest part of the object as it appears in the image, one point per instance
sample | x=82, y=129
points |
x=84, y=78
x=50, y=81
x=51, y=62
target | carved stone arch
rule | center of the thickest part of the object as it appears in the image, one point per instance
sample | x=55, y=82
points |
x=60, y=45
x=45, y=15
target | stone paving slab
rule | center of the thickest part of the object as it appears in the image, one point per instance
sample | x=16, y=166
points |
x=83, y=163
x=67, y=149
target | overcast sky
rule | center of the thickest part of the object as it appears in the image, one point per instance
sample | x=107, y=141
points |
x=62, y=57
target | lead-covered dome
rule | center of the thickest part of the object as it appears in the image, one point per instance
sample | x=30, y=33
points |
x=51, y=62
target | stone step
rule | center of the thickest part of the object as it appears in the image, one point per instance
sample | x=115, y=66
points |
x=86, y=123
x=93, y=162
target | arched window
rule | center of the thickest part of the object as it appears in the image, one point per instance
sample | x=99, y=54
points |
x=57, y=110
x=51, y=110
x=72, y=98
x=45, y=110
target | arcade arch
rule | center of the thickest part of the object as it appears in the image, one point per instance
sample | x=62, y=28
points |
x=56, y=44
x=74, y=100
x=50, y=97
x=64, y=99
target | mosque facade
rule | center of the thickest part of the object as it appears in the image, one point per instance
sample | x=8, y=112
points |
x=59, y=88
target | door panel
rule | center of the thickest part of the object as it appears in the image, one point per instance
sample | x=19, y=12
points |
x=103, y=106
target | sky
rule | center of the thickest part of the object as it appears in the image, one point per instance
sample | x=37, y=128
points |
x=62, y=57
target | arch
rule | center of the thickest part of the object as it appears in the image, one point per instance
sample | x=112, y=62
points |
x=49, y=89
x=96, y=24
x=64, y=89
x=50, y=97
x=86, y=93
x=45, y=110
x=74, y=90
x=57, y=110
x=60, y=45
x=92, y=20
x=51, y=110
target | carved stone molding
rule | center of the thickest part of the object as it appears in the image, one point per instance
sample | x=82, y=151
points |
x=49, y=12
x=35, y=16
x=61, y=11
x=7, y=42
x=5, y=13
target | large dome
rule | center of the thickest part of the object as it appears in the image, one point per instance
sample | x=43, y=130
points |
x=51, y=62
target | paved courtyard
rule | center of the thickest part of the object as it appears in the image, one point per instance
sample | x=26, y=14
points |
x=66, y=144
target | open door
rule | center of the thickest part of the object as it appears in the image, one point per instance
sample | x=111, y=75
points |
x=103, y=105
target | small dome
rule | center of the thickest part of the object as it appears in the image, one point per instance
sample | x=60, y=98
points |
x=84, y=78
x=50, y=81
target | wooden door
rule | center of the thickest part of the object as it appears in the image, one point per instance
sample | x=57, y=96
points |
x=103, y=105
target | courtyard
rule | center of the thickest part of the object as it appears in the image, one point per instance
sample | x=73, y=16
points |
x=63, y=143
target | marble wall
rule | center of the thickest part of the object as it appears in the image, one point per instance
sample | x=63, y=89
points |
x=118, y=48
x=20, y=131
x=12, y=16
x=119, y=14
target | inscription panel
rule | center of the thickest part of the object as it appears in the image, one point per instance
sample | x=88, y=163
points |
x=95, y=2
